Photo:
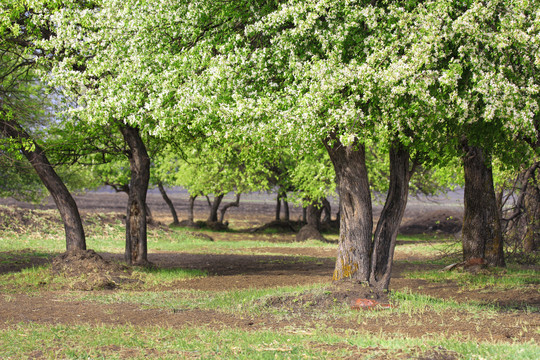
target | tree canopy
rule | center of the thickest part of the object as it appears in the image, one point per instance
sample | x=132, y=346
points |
x=419, y=82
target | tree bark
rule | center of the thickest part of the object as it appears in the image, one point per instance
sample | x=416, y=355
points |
x=531, y=204
x=313, y=215
x=191, y=215
x=481, y=233
x=356, y=223
x=384, y=239
x=286, y=214
x=139, y=161
x=74, y=231
x=278, y=206
x=327, y=210
x=149, y=217
x=168, y=202
x=312, y=228
x=213, y=217
x=226, y=207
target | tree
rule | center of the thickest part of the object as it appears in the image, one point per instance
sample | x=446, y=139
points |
x=402, y=75
x=269, y=75
x=114, y=75
x=117, y=156
x=21, y=109
x=244, y=68
x=493, y=104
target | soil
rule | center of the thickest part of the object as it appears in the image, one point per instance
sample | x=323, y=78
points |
x=286, y=266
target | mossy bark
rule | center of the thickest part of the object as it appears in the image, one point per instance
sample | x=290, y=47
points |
x=356, y=223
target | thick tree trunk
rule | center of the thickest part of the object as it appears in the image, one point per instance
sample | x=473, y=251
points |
x=356, y=224
x=139, y=161
x=168, y=202
x=481, y=234
x=75, y=237
x=384, y=240
x=226, y=207
x=191, y=215
x=278, y=207
x=213, y=217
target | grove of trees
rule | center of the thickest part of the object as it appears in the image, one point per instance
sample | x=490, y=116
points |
x=246, y=95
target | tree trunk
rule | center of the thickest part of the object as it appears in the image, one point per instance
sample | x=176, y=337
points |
x=384, y=240
x=168, y=202
x=531, y=204
x=213, y=217
x=149, y=217
x=278, y=206
x=481, y=233
x=356, y=223
x=75, y=237
x=139, y=162
x=191, y=215
x=286, y=214
x=313, y=215
x=311, y=230
x=327, y=210
x=226, y=207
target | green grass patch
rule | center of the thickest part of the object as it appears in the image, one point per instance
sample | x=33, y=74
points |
x=31, y=279
x=416, y=304
x=156, y=277
x=511, y=277
x=182, y=241
x=20, y=256
x=111, y=238
x=41, y=278
x=129, y=342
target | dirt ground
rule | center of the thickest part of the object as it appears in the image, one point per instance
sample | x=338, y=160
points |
x=236, y=271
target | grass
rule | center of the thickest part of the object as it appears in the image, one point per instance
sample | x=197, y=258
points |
x=40, y=278
x=154, y=277
x=511, y=277
x=120, y=342
x=111, y=238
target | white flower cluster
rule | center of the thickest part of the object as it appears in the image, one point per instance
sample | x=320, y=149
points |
x=297, y=72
